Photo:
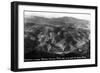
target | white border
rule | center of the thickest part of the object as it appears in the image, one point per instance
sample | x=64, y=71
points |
x=22, y=64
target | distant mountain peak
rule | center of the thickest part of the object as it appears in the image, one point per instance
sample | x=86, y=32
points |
x=58, y=21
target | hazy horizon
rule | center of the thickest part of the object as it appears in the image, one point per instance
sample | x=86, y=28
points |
x=28, y=14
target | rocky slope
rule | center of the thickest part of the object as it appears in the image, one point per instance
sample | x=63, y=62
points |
x=63, y=35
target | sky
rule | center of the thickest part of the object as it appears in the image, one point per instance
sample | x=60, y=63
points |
x=56, y=15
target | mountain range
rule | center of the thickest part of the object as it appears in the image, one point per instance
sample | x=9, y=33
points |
x=60, y=21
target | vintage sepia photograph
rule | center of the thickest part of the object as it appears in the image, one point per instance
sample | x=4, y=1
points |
x=56, y=36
